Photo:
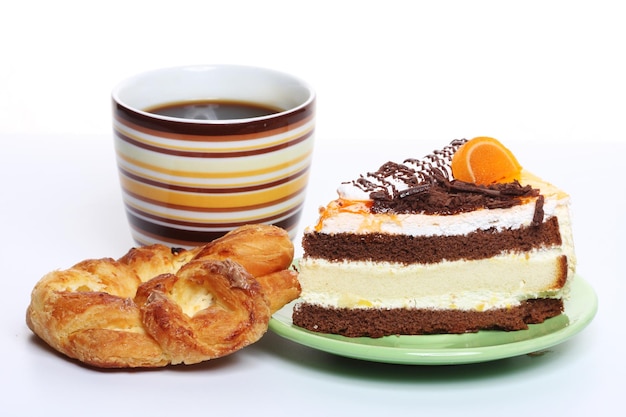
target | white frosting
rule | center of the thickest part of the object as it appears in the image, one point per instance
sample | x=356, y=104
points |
x=349, y=191
x=436, y=225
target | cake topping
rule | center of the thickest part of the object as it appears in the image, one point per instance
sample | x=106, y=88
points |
x=428, y=185
x=484, y=161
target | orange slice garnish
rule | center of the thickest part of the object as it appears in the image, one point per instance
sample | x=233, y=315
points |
x=484, y=161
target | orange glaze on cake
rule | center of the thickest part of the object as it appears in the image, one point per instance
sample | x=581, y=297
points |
x=342, y=206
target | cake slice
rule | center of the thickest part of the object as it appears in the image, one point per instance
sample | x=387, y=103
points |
x=411, y=249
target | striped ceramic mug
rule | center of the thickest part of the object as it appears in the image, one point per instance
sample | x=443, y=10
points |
x=187, y=179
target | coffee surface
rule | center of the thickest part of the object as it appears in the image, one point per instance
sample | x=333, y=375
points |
x=213, y=110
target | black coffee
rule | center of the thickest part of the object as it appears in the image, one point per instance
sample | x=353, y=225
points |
x=213, y=110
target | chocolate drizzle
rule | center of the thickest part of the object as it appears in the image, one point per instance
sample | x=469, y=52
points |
x=427, y=186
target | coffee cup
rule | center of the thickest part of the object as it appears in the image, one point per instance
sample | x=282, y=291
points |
x=204, y=149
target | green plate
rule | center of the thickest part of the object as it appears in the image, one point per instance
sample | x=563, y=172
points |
x=448, y=349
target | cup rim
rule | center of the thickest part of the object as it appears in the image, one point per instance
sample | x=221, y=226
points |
x=119, y=102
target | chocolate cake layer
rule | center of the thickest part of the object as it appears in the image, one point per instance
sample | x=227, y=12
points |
x=429, y=250
x=384, y=322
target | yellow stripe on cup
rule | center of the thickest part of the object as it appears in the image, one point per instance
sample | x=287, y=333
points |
x=214, y=200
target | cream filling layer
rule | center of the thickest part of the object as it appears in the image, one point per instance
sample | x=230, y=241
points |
x=499, y=282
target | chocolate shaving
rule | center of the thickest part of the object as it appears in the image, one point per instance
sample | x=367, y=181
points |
x=380, y=195
x=422, y=188
x=538, y=215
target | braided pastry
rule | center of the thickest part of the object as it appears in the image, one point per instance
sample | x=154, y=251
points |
x=157, y=306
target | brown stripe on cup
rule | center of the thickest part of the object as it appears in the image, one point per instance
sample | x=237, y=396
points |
x=219, y=131
x=146, y=124
x=211, y=152
x=148, y=232
x=191, y=225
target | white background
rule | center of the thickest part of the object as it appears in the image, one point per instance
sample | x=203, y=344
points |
x=533, y=70
x=394, y=80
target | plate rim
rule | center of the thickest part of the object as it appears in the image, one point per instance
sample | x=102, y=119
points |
x=580, y=308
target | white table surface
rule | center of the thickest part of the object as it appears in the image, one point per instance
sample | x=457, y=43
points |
x=61, y=203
